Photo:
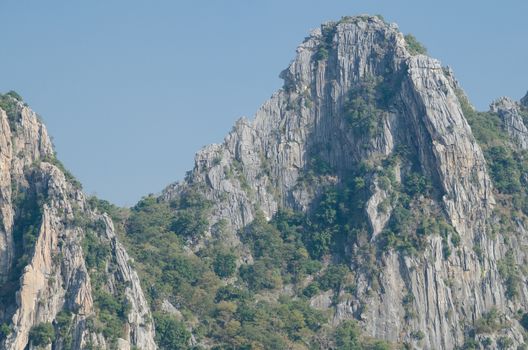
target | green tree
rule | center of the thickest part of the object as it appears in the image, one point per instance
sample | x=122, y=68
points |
x=509, y=271
x=524, y=321
x=5, y=330
x=414, y=46
x=333, y=277
x=224, y=264
x=191, y=218
x=171, y=334
x=504, y=170
x=361, y=107
x=42, y=334
x=347, y=336
x=8, y=102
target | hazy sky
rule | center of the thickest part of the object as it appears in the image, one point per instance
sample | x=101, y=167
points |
x=130, y=90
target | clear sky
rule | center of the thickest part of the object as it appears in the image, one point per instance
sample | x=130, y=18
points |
x=130, y=89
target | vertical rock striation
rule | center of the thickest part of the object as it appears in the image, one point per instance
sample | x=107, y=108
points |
x=43, y=269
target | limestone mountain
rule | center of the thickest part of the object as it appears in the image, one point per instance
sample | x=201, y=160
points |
x=366, y=205
x=377, y=134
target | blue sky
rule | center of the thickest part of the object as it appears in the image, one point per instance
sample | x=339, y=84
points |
x=130, y=90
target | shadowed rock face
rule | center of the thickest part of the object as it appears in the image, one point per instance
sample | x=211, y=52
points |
x=46, y=273
x=510, y=113
x=524, y=100
x=309, y=117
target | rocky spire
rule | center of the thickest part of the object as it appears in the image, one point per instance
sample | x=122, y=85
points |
x=510, y=113
x=45, y=218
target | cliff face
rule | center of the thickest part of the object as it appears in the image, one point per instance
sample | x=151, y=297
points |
x=453, y=281
x=44, y=275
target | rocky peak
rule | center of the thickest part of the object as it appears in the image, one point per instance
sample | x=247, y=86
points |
x=309, y=120
x=24, y=140
x=510, y=113
x=351, y=49
x=44, y=262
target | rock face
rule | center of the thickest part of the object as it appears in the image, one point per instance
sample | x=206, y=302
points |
x=510, y=113
x=43, y=270
x=262, y=165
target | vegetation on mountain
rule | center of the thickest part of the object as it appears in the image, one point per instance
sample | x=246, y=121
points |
x=112, y=306
x=414, y=46
x=42, y=334
x=171, y=333
x=232, y=314
x=5, y=330
x=507, y=165
x=361, y=108
x=8, y=102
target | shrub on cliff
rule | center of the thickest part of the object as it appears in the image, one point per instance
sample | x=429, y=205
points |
x=42, y=334
x=414, y=46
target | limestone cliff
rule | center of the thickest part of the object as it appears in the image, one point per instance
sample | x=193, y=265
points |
x=44, y=274
x=439, y=292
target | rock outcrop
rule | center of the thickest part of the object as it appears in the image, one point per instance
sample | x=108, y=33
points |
x=44, y=274
x=510, y=113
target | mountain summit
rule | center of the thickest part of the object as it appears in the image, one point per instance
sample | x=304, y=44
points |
x=367, y=205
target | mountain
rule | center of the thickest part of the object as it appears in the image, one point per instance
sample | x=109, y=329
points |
x=366, y=205
x=62, y=269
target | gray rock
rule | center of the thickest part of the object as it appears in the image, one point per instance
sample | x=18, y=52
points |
x=510, y=113
x=55, y=276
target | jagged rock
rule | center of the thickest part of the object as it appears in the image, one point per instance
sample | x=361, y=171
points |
x=139, y=318
x=123, y=344
x=378, y=218
x=167, y=307
x=510, y=114
x=55, y=276
x=6, y=237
